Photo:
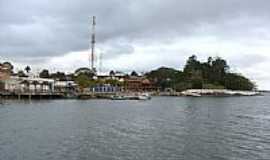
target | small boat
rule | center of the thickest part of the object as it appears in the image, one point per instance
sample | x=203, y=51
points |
x=118, y=97
x=143, y=96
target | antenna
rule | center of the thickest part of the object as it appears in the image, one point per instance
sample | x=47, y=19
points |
x=93, y=41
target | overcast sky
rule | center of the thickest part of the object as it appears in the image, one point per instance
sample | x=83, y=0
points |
x=137, y=34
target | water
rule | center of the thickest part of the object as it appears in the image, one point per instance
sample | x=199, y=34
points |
x=164, y=128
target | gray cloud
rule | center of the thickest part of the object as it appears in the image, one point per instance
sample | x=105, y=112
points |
x=51, y=28
x=247, y=60
x=139, y=35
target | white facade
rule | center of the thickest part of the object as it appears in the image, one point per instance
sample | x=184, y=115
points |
x=27, y=84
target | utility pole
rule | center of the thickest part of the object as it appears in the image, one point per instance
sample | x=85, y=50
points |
x=93, y=41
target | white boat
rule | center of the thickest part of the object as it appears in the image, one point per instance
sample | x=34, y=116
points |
x=143, y=96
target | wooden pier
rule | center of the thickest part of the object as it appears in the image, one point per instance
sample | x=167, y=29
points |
x=31, y=95
x=55, y=95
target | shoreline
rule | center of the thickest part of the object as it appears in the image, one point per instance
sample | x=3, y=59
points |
x=219, y=92
x=86, y=96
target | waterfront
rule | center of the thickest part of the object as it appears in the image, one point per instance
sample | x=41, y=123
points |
x=210, y=128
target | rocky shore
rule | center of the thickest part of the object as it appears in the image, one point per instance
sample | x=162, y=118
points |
x=218, y=92
x=210, y=92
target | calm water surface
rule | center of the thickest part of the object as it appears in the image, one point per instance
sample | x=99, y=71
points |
x=164, y=128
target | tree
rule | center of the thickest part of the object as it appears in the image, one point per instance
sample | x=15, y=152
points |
x=134, y=73
x=213, y=74
x=209, y=61
x=112, y=73
x=192, y=64
x=85, y=71
x=197, y=79
x=165, y=77
x=44, y=74
x=238, y=82
x=27, y=69
x=21, y=74
x=83, y=81
x=9, y=66
x=61, y=76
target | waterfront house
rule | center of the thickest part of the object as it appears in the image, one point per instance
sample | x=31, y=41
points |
x=5, y=72
x=106, y=88
x=65, y=86
x=138, y=84
x=28, y=84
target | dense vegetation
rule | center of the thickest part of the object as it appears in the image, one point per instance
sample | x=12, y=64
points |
x=213, y=74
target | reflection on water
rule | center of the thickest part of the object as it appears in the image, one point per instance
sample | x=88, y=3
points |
x=163, y=128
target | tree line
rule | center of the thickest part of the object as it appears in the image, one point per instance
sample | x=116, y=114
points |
x=213, y=74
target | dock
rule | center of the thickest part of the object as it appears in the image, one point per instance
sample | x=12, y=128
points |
x=32, y=95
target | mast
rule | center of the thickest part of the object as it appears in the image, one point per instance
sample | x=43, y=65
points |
x=93, y=41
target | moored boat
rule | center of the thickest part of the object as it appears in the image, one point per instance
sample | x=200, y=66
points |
x=143, y=96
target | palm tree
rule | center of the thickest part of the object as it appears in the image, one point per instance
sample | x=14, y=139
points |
x=27, y=69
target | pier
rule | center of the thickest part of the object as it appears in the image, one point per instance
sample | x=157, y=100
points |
x=32, y=95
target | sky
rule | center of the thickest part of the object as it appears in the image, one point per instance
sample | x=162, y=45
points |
x=137, y=35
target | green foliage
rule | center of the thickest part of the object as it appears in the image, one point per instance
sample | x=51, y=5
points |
x=134, y=73
x=9, y=66
x=44, y=74
x=58, y=76
x=237, y=82
x=83, y=81
x=86, y=71
x=197, y=84
x=165, y=77
x=181, y=86
x=27, y=69
x=21, y=74
x=212, y=86
x=112, y=73
x=213, y=74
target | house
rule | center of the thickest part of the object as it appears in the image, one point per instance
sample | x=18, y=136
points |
x=28, y=84
x=5, y=72
x=118, y=76
x=138, y=84
x=65, y=86
x=105, y=88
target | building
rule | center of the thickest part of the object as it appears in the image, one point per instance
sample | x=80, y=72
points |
x=118, y=76
x=106, y=88
x=65, y=86
x=28, y=85
x=5, y=72
x=138, y=84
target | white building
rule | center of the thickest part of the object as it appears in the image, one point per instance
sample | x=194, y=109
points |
x=28, y=84
x=65, y=86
